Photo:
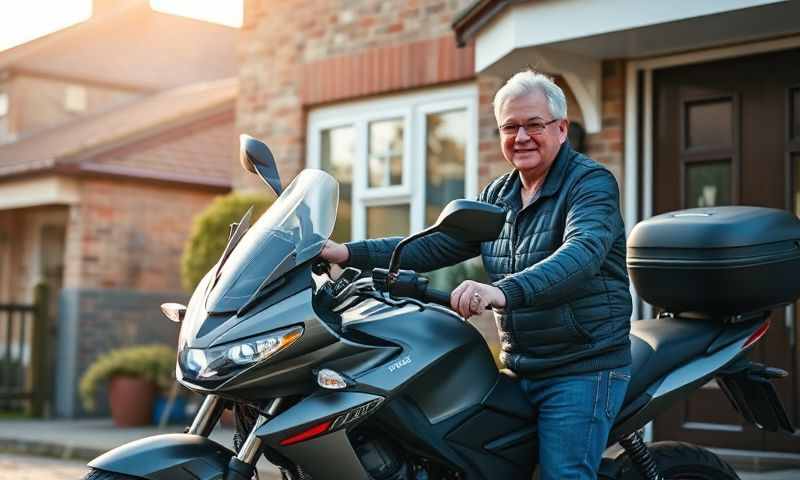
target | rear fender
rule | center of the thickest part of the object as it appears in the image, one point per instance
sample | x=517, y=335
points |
x=752, y=394
x=168, y=457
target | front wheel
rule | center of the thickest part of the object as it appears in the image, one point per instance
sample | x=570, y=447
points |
x=95, y=474
x=681, y=461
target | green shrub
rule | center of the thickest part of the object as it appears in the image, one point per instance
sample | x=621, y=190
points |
x=150, y=362
x=210, y=233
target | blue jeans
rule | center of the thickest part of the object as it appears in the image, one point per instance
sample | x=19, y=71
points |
x=574, y=416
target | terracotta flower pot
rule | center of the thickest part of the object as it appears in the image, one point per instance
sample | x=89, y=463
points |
x=131, y=401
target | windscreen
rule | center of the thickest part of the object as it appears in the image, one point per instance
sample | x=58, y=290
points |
x=292, y=231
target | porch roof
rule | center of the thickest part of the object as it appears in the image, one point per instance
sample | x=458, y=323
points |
x=572, y=37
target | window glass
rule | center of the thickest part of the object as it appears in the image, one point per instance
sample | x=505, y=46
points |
x=3, y=104
x=337, y=154
x=708, y=184
x=388, y=221
x=385, y=164
x=445, y=139
x=709, y=124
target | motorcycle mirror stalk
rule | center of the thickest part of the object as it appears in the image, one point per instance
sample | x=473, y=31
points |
x=467, y=220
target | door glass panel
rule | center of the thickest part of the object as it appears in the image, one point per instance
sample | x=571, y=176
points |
x=795, y=106
x=388, y=221
x=709, y=123
x=708, y=184
x=444, y=160
x=385, y=165
x=337, y=156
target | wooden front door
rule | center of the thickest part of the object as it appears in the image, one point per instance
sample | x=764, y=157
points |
x=728, y=133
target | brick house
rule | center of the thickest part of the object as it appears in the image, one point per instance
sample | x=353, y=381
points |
x=104, y=161
x=394, y=98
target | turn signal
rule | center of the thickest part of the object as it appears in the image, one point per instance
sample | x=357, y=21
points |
x=331, y=380
x=174, y=311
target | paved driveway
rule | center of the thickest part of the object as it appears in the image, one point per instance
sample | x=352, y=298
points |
x=23, y=467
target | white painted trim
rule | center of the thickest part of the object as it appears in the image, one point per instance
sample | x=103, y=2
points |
x=412, y=107
x=35, y=192
x=585, y=18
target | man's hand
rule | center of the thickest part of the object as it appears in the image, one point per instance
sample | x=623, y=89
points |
x=335, y=253
x=471, y=298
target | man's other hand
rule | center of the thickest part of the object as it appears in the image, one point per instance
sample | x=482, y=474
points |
x=472, y=298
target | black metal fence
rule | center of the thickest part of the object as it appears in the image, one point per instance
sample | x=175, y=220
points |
x=22, y=348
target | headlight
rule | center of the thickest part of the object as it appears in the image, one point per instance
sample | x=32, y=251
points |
x=217, y=363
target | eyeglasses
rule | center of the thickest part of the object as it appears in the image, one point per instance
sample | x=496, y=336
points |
x=535, y=127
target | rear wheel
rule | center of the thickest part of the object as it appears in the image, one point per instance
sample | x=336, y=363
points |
x=682, y=461
x=95, y=474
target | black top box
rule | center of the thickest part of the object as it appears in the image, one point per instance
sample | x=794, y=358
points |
x=716, y=262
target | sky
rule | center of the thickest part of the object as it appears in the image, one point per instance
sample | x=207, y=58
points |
x=24, y=20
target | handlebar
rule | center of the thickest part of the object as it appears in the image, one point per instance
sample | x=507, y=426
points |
x=437, y=296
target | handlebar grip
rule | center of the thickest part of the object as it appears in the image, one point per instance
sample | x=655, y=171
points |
x=438, y=296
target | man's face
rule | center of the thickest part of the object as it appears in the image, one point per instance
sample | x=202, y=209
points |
x=530, y=154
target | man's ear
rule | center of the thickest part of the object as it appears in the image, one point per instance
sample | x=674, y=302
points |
x=563, y=128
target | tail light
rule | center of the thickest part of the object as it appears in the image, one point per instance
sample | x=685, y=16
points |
x=756, y=336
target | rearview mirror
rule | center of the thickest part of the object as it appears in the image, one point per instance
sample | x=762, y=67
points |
x=255, y=157
x=471, y=221
x=461, y=219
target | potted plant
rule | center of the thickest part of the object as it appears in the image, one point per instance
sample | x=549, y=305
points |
x=133, y=375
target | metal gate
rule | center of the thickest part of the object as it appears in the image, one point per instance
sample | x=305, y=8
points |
x=22, y=333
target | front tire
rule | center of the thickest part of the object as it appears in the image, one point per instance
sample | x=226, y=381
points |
x=684, y=461
x=95, y=474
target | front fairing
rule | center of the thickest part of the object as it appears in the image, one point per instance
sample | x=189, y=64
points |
x=290, y=233
x=254, y=290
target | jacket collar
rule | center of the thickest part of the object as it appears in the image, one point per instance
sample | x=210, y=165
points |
x=509, y=192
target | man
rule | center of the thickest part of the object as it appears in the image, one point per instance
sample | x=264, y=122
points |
x=559, y=283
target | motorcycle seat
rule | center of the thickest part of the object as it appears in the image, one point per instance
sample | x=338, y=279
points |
x=659, y=346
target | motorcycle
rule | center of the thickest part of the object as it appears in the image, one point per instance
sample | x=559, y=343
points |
x=372, y=376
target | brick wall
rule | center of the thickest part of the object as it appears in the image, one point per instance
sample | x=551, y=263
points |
x=608, y=145
x=131, y=234
x=294, y=54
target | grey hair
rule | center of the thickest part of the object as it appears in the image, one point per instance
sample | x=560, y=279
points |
x=526, y=83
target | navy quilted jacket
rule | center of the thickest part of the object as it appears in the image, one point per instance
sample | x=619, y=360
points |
x=560, y=261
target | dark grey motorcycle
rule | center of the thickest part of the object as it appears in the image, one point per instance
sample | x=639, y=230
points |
x=371, y=377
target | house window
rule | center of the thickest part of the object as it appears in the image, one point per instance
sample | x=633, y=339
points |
x=398, y=159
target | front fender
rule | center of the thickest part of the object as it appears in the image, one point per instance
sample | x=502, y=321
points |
x=173, y=456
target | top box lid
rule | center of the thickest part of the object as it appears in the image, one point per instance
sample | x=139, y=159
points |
x=716, y=227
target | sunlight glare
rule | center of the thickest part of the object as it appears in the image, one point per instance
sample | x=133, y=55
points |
x=23, y=21
x=226, y=12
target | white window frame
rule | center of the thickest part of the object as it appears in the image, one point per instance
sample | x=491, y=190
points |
x=412, y=108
